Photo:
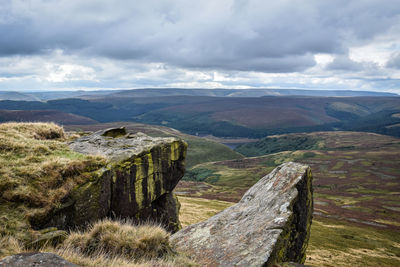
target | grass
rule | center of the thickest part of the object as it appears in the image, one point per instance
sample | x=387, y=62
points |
x=37, y=171
x=228, y=180
x=274, y=144
x=336, y=243
x=357, y=212
x=121, y=239
x=332, y=242
x=110, y=244
x=194, y=210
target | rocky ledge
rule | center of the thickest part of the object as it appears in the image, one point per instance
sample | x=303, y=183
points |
x=136, y=183
x=269, y=226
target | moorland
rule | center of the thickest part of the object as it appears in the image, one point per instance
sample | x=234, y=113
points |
x=350, y=142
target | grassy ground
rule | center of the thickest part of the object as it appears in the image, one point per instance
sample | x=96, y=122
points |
x=111, y=244
x=360, y=184
x=337, y=243
x=195, y=210
x=356, y=195
x=332, y=242
x=37, y=170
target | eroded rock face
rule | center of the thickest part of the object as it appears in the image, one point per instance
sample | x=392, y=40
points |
x=35, y=259
x=271, y=224
x=136, y=184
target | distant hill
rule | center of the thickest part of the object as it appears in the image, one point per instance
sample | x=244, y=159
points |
x=250, y=117
x=52, y=95
x=43, y=116
x=334, y=141
x=161, y=92
x=155, y=92
x=10, y=95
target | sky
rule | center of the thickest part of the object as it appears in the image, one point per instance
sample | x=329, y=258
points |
x=91, y=44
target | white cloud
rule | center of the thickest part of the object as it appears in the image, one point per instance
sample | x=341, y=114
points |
x=228, y=43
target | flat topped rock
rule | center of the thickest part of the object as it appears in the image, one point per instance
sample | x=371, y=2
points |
x=117, y=144
x=270, y=224
x=136, y=183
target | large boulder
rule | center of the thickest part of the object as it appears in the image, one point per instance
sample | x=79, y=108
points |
x=137, y=182
x=270, y=225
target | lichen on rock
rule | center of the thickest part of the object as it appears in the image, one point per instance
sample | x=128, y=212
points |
x=270, y=225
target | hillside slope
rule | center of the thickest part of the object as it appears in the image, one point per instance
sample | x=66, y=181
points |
x=356, y=192
x=43, y=116
x=236, y=116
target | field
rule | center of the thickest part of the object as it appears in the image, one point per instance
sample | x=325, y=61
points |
x=356, y=194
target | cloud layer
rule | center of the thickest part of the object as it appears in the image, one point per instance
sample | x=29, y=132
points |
x=225, y=43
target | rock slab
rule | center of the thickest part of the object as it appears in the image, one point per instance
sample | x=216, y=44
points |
x=136, y=183
x=35, y=259
x=270, y=225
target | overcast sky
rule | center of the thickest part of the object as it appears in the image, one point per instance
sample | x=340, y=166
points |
x=92, y=44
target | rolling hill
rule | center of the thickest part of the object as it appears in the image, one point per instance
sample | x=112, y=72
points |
x=43, y=116
x=356, y=192
x=254, y=117
x=11, y=95
x=159, y=92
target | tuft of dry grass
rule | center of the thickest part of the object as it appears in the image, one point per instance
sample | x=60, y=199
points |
x=121, y=239
x=117, y=243
x=37, y=171
x=10, y=245
x=111, y=244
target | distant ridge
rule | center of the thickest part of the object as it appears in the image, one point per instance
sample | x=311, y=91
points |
x=160, y=92
x=43, y=116
x=17, y=96
x=156, y=92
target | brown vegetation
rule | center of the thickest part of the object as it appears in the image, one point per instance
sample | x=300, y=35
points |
x=111, y=244
x=37, y=171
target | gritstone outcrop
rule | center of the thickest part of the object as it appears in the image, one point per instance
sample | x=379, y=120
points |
x=270, y=225
x=136, y=183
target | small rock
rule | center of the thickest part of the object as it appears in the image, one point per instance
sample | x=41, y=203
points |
x=35, y=259
x=114, y=132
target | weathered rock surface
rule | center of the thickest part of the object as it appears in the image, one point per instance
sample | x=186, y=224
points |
x=270, y=225
x=136, y=183
x=35, y=259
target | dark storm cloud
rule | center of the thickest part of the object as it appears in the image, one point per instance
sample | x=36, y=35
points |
x=266, y=36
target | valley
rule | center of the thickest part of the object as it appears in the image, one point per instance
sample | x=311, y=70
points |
x=212, y=114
